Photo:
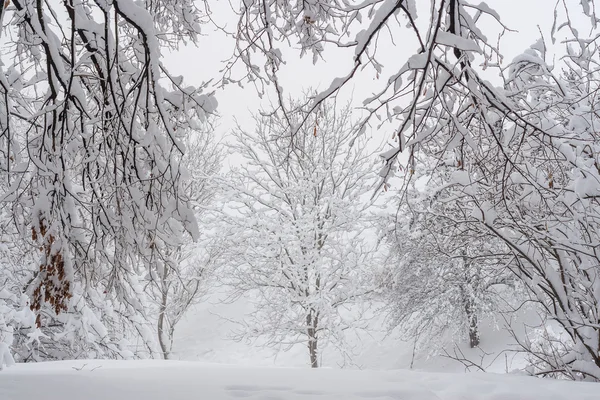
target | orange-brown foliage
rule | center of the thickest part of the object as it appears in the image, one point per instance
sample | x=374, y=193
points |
x=53, y=287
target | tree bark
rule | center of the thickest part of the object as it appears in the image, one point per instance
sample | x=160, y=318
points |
x=161, y=327
x=312, y=321
x=473, y=323
x=162, y=315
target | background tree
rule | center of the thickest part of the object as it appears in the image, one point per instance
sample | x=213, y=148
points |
x=295, y=228
x=445, y=275
x=183, y=274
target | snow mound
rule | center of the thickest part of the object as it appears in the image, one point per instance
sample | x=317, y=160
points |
x=176, y=380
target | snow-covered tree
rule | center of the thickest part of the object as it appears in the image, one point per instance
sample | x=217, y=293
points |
x=445, y=275
x=182, y=272
x=528, y=141
x=295, y=226
x=92, y=129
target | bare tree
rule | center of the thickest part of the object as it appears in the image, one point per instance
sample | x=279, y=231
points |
x=443, y=276
x=183, y=273
x=295, y=228
x=92, y=127
x=529, y=144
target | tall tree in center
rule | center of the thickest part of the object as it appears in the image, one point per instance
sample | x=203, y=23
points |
x=296, y=222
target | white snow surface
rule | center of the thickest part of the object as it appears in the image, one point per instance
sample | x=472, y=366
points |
x=204, y=335
x=179, y=380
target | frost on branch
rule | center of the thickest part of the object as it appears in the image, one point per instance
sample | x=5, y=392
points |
x=528, y=141
x=447, y=275
x=295, y=227
x=180, y=275
x=92, y=128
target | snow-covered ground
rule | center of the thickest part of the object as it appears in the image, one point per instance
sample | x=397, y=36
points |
x=176, y=380
x=232, y=370
x=204, y=335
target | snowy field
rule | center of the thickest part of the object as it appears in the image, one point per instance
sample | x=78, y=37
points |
x=204, y=335
x=177, y=380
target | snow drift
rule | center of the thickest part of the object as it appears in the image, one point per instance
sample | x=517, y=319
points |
x=176, y=380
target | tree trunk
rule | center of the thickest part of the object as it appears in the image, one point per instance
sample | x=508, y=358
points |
x=471, y=281
x=473, y=323
x=312, y=321
x=162, y=332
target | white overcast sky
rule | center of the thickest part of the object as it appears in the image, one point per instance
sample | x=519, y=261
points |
x=198, y=64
